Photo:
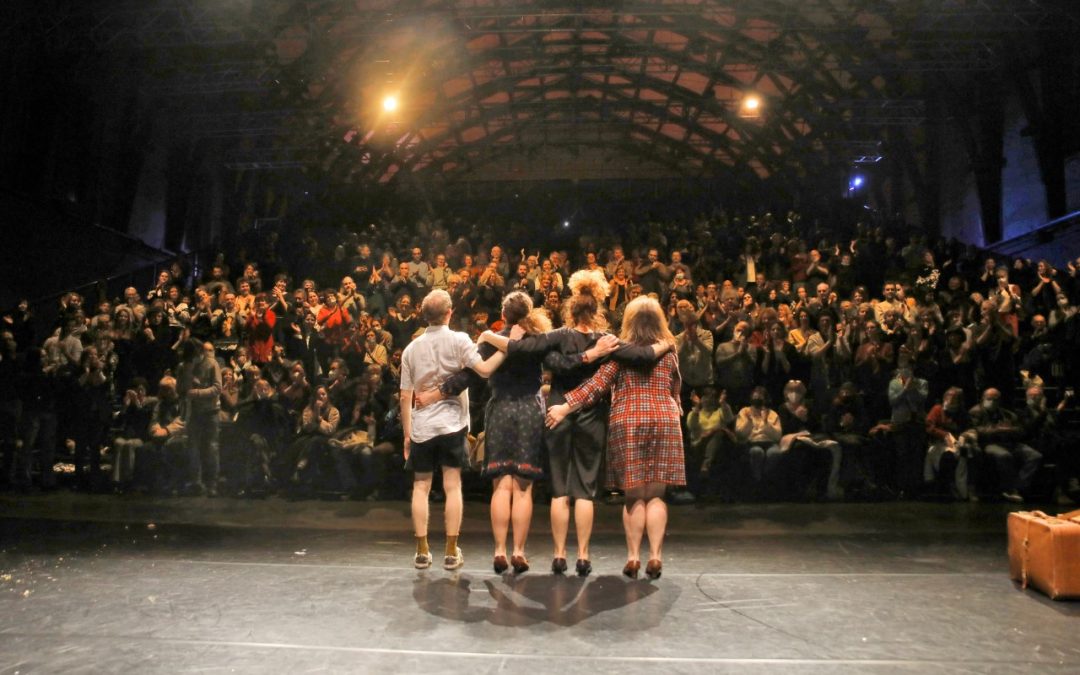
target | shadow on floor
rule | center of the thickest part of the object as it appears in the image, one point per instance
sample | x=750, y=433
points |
x=532, y=600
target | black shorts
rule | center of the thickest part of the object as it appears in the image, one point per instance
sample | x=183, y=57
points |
x=445, y=450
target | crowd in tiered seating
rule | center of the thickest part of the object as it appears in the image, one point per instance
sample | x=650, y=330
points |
x=819, y=362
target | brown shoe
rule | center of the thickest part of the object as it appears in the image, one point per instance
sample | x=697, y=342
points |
x=631, y=569
x=558, y=565
x=499, y=564
x=653, y=569
x=519, y=563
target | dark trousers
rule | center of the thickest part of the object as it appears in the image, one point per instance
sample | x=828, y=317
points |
x=1016, y=464
x=204, y=461
x=909, y=456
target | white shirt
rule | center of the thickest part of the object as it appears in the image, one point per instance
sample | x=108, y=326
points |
x=425, y=364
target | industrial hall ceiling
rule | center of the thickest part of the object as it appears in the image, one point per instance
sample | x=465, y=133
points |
x=371, y=91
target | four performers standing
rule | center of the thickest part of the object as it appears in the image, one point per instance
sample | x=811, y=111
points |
x=644, y=444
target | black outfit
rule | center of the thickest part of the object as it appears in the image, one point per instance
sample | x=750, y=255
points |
x=514, y=415
x=576, y=447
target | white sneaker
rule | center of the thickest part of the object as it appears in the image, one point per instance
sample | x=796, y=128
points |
x=422, y=561
x=453, y=562
x=1013, y=496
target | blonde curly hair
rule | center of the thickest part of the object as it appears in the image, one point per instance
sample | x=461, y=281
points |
x=592, y=282
x=588, y=290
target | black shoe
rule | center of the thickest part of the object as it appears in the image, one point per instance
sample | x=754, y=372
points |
x=558, y=565
x=584, y=568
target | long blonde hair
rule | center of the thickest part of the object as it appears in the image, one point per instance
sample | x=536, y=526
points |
x=644, y=322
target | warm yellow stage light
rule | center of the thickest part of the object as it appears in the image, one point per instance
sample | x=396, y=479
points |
x=389, y=103
x=751, y=103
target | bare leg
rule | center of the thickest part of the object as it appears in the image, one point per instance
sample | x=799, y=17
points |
x=560, y=524
x=634, y=522
x=522, y=514
x=500, y=512
x=451, y=480
x=421, y=490
x=583, y=522
x=656, y=517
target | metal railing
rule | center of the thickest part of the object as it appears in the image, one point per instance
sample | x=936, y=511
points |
x=1057, y=241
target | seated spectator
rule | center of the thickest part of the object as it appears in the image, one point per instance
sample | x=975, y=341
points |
x=166, y=464
x=711, y=438
x=808, y=462
x=758, y=433
x=1000, y=437
x=309, y=453
x=1040, y=427
x=950, y=448
x=264, y=431
x=135, y=419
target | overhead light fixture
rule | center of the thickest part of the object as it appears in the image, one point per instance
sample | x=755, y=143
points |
x=751, y=106
x=390, y=103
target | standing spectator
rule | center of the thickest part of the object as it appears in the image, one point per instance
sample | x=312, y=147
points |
x=734, y=361
x=403, y=285
x=420, y=271
x=92, y=415
x=260, y=330
x=332, y=322
x=200, y=388
x=651, y=273
x=618, y=262
x=441, y=273
x=694, y=347
x=994, y=345
x=907, y=429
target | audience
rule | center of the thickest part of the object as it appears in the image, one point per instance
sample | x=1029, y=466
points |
x=277, y=371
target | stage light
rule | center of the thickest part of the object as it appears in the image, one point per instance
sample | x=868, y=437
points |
x=857, y=181
x=390, y=103
x=566, y=224
x=751, y=103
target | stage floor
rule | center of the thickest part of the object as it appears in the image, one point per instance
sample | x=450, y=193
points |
x=108, y=584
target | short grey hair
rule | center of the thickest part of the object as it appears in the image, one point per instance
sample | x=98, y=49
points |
x=436, y=307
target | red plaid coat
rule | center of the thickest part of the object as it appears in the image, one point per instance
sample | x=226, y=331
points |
x=644, y=440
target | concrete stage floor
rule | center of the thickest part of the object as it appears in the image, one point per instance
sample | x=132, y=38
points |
x=119, y=584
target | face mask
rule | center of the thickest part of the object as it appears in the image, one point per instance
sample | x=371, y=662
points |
x=757, y=402
x=1033, y=402
x=792, y=396
x=989, y=405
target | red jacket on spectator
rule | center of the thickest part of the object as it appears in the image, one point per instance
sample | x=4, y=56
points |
x=260, y=332
x=335, y=323
x=939, y=423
